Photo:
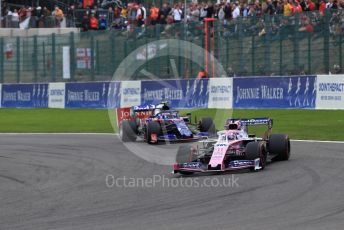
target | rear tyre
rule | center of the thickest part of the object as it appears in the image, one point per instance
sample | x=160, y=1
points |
x=185, y=155
x=128, y=131
x=256, y=150
x=153, y=128
x=279, y=145
x=206, y=124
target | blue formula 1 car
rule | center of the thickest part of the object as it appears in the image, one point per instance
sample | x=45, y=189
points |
x=159, y=123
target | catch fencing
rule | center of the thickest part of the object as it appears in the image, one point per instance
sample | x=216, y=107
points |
x=309, y=43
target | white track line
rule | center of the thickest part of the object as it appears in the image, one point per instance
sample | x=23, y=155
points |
x=316, y=141
x=116, y=134
x=17, y=134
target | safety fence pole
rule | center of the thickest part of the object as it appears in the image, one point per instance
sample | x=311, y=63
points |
x=97, y=57
x=35, y=58
x=44, y=61
x=18, y=59
x=72, y=56
x=113, y=53
x=296, y=46
x=309, y=53
x=92, y=56
x=253, y=49
x=326, y=42
x=267, y=56
x=53, y=57
x=340, y=52
x=1, y=60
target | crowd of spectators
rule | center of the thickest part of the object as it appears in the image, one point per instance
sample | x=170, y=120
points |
x=35, y=17
x=124, y=16
x=136, y=14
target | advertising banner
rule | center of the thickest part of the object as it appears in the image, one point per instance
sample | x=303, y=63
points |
x=220, y=93
x=24, y=96
x=114, y=95
x=179, y=93
x=57, y=95
x=121, y=114
x=130, y=93
x=275, y=92
x=330, y=92
x=86, y=95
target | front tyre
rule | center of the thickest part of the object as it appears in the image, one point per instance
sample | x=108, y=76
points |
x=128, y=131
x=256, y=150
x=153, y=130
x=279, y=145
x=206, y=124
x=185, y=155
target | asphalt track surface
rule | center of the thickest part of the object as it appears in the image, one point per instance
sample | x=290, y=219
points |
x=58, y=182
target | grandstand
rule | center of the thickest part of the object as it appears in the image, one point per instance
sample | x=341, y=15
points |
x=269, y=45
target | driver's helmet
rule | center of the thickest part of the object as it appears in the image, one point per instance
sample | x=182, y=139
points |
x=231, y=136
x=236, y=125
x=156, y=112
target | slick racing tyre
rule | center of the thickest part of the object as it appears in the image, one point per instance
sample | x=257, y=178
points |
x=256, y=150
x=128, y=131
x=206, y=124
x=153, y=128
x=279, y=145
x=185, y=155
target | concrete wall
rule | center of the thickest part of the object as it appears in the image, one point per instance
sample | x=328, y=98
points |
x=10, y=32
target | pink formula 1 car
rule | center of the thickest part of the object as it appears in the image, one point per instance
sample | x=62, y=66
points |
x=234, y=149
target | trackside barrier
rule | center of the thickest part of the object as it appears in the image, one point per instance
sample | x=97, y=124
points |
x=330, y=92
x=24, y=96
x=275, y=92
x=300, y=92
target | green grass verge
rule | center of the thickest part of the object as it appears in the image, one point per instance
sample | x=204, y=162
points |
x=54, y=120
x=299, y=124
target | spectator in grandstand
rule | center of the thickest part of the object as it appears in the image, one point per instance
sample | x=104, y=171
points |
x=163, y=13
x=258, y=8
x=15, y=19
x=70, y=18
x=221, y=13
x=287, y=8
x=296, y=7
x=228, y=13
x=307, y=25
x=58, y=15
x=244, y=9
x=202, y=74
x=154, y=14
x=307, y=5
x=110, y=15
x=236, y=11
x=93, y=22
x=194, y=13
x=210, y=10
x=23, y=13
x=270, y=8
x=141, y=15
x=341, y=4
x=203, y=11
x=124, y=12
x=177, y=13
x=322, y=7
x=117, y=12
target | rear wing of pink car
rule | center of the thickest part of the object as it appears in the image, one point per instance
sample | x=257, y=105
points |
x=252, y=121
